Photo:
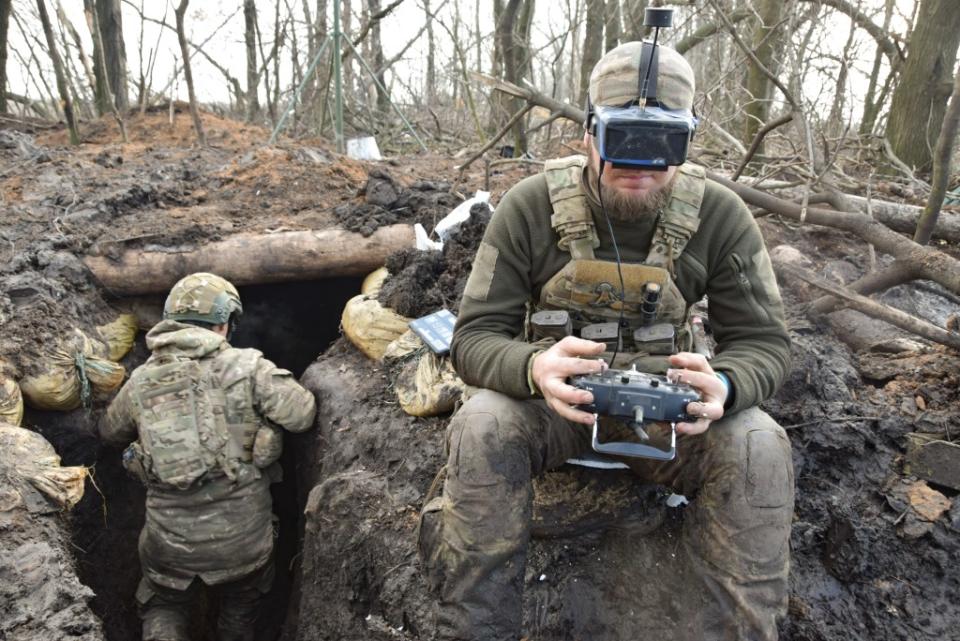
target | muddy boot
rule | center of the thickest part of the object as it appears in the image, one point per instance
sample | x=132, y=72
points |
x=165, y=612
x=473, y=540
x=240, y=604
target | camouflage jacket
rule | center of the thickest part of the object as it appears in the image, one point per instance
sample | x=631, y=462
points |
x=725, y=259
x=193, y=411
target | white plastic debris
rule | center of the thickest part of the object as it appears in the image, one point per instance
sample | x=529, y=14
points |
x=460, y=214
x=423, y=239
x=676, y=500
x=543, y=577
x=363, y=148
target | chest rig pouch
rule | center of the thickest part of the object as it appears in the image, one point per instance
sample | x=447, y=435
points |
x=173, y=424
x=196, y=418
x=589, y=288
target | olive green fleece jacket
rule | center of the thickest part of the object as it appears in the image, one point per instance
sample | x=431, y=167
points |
x=725, y=259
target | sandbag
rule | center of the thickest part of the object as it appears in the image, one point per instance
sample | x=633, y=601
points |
x=71, y=372
x=374, y=281
x=428, y=386
x=404, y=345
x=119, y=335
x=31, y=465
x=370, y=326
x=11, y=401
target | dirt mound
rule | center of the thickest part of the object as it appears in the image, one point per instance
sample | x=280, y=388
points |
x=422, y=282
x=155, y=128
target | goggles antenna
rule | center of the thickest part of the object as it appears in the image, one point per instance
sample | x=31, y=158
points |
x=658, y=18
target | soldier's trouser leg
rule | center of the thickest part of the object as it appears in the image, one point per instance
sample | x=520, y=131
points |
x=736, y=531
x=165, y=612
x=240, y=602
x=473, y=540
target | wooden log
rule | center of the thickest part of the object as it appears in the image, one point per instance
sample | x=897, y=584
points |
x=247, y=259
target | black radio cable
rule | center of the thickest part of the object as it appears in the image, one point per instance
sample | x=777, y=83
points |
x=616, y=251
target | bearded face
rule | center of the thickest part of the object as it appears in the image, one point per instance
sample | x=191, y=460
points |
x=629, y=194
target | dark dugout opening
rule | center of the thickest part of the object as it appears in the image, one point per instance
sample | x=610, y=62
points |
x=291, y=323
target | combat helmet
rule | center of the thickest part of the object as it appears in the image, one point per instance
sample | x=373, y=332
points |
x=202, y=297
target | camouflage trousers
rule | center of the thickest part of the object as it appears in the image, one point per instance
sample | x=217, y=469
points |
x=473, y=539
x=166, y=612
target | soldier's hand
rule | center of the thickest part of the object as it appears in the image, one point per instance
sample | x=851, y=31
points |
x=695, y=370
x=550, y=370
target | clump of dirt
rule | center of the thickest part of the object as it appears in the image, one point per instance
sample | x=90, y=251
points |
x=421, y=282
x=386, y=202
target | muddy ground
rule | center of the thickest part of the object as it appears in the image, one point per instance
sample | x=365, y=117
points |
x=864, y=564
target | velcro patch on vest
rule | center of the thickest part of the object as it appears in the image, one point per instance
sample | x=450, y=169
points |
x=481, y=276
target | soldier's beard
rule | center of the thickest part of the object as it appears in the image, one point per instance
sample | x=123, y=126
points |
x=627, y=207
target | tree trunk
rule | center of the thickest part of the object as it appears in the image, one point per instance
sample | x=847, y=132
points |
x=378, y=62
x=592, y=47
x=180, y=12
x=114, y=50
x=4, y=23
x=250, y=42
x=941, y=168
x=871, y=106
x=633, y=20
x=431, y=88
x=920, y=100
x=58, y=71
x=612, y=26
x=767, y=45
x=101, y=96
x=247, y=259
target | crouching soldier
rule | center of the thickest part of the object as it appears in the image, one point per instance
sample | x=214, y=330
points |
x=202, y=420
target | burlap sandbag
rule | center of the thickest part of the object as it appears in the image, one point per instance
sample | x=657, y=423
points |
x=374, y=281
x=405, y=345
x=371, y=326
x=66, y=367
x=11, y=401
x=428, y=386
x=30, y=462
x=119, y=335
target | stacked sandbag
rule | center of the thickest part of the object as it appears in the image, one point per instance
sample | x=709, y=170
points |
x=427, y=384
x=31, y=467
x=119, y=335
x=11, y=400
x=71, y=372
x=40, y=594
x=369, y=325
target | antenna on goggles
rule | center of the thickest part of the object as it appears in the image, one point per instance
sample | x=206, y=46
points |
x=658, y=18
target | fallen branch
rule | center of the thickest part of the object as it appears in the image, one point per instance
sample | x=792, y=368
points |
x=874, y=309
x=924, y=261
x=247, y=259
x=533, y=96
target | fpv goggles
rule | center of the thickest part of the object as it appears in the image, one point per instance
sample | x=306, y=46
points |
x=641, y=133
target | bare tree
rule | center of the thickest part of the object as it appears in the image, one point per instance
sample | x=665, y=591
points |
x=58, y=70
x=180, y=12
x=920, y=99
x=611, y=26
x=114, y=50
x=941, y=167
x=871, y=102
x=431, y=92
x=592, y=46
x=766, y=45
x=250, y=40
x=4, y=23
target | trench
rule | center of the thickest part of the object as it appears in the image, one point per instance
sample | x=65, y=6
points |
x=291, y=323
